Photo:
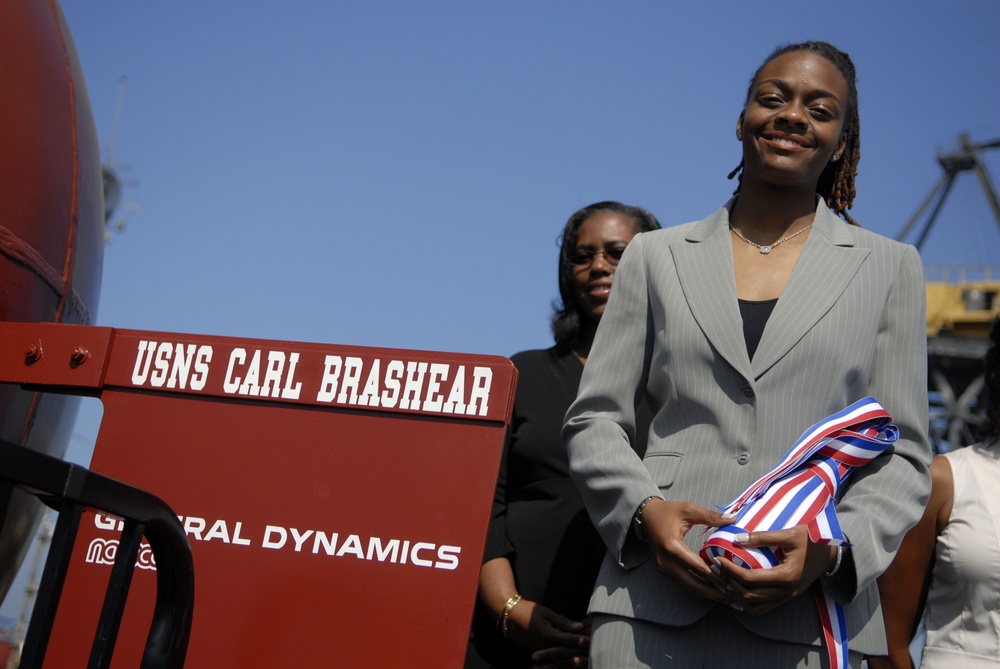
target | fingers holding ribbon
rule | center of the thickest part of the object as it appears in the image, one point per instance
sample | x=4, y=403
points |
x=799, y=563
x=796, y=500
x=666, y=525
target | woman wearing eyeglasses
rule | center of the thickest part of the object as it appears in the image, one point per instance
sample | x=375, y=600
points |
x=542, y=552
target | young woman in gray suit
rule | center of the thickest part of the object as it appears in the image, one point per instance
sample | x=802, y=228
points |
x=740, y=331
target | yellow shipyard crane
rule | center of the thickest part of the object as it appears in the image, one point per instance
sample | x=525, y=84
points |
x=962, y=302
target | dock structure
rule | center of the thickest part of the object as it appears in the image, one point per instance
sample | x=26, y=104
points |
x=962, y=303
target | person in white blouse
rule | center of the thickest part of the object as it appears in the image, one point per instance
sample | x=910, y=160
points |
x=948, y=568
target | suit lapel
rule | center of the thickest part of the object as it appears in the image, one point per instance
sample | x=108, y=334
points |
x=704, y=261
x=828, y=262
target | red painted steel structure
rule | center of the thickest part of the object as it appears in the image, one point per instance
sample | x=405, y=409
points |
x=51, y=223
x=336, y=498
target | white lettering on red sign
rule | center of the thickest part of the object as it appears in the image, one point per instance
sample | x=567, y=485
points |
x=277, y=537
x=169, y=365
x=269, y=380
x=417, y=386
x=411, y=385
x=396, y=551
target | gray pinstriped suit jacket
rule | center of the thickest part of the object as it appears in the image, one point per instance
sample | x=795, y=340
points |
x=850, y=323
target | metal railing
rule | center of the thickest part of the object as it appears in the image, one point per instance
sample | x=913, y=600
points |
x=70, y=489
x=961, y=273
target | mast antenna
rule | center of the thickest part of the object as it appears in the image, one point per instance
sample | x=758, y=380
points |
x=965, y=159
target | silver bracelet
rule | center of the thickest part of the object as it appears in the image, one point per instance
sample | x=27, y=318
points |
x=836, y=564
x=637, y=524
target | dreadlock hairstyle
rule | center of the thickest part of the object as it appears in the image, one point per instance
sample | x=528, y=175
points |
x=836, y=184
x=568, y=319
x=992, y=376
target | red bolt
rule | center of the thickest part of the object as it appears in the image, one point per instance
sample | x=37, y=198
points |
x=80, y=355
x=33, y=355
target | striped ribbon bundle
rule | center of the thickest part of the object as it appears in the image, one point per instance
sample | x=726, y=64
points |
x=801, y=490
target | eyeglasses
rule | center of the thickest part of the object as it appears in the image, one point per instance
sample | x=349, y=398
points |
x=585, y=257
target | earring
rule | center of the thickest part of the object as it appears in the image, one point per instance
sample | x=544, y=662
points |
x=836, y=158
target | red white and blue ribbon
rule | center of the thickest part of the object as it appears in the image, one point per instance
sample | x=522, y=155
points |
x=801, y=490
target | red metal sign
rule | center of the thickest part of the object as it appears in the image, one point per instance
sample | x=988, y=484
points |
x=336, y=498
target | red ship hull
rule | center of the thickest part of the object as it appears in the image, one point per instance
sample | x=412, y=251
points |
x=52, y=225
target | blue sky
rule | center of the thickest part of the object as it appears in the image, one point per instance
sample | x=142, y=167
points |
x=396, y=174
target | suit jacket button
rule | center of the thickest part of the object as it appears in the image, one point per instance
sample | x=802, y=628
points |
x=747, y=389
x=743, y=458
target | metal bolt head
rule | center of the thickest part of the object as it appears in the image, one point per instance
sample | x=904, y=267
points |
x=79, y=355
x=33, y=355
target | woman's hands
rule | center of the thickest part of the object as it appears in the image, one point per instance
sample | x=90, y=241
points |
x=666, y=525
x=760, y=590
x=753, y=590
x=553, y=639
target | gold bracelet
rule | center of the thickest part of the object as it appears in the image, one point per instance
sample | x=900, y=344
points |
x=502, y=620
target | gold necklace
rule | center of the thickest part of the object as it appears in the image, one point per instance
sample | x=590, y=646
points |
x=767, y=248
